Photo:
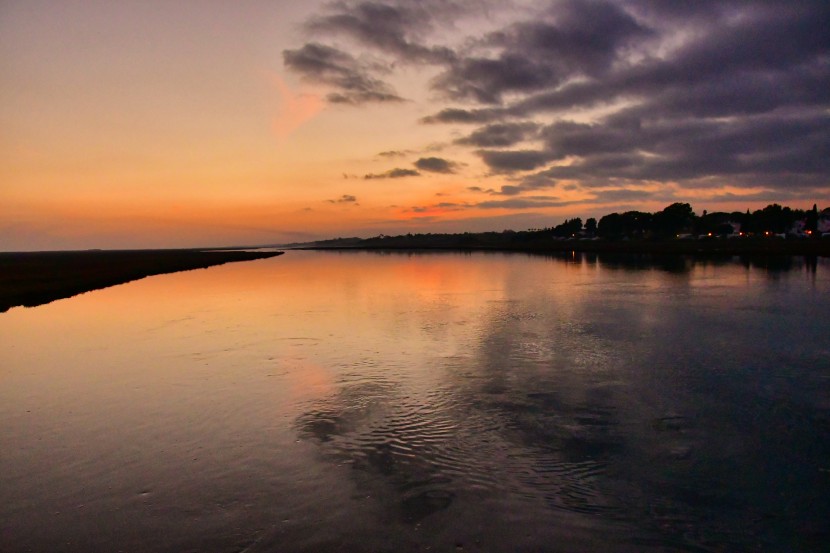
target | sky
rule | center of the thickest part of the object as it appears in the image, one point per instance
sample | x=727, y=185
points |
x=211, y=123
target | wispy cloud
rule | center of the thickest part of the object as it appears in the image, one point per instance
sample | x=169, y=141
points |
x=396, y=173
x=353, y=78
x=395, y=153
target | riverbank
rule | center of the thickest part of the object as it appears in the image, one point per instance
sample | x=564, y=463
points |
x=34, y=278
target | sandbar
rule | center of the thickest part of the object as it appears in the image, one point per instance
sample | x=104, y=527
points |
x=35, y=278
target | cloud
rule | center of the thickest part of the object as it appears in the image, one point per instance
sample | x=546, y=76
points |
x=436, y=165
x=583, y=39
x=525, y=203
x=621, y=195
x=392, y=27
x=508, y=161
x=326, y=65
x=500, y=135
x=458, y=115
x=395, y=153
x=755, y=149
x=344, y=199
x=442, y=207
x=509, y=190
x=619, y=95
x=396, y=173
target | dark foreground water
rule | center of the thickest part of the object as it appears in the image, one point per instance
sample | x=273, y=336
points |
x=435, y=402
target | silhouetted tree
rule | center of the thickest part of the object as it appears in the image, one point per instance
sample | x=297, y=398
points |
x=633, y=224
x=568, y=228
x=773, y=218
x=674, y=219
x=591, y=226
x=610, y=226
x=812, y=219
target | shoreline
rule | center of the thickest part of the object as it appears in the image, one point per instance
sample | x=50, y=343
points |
x=766, y=247
x=29, y=279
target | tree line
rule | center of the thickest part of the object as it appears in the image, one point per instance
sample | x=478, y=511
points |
x=679, y=218
x=675, y=220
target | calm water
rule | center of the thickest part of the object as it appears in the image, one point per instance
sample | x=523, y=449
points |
x=444, y=402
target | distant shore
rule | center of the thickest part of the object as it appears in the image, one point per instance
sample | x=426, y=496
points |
x=35, y=278
x=759, y=247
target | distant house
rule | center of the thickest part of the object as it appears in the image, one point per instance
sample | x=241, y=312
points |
x=823, y=224
x=798, y=228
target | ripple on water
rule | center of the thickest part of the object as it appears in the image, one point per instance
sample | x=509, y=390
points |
x=428, y=450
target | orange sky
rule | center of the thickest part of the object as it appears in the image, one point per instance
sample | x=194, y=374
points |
x=154, y=124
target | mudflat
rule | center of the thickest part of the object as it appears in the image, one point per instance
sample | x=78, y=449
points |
x=35, y=278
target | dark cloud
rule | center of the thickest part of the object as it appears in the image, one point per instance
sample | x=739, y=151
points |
x=500, y=135
x=458, y=115
x=745, y=104
x=703, y=93
x=327, y=65
x=755, y=149
x=393, y=174
x=621, y=195
x=436, y=165
x=509, y=190
x=584, y=39
x=392, y=27
x=509, y=161
x=537, y=181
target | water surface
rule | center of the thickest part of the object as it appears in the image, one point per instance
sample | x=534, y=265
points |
x=406, y=402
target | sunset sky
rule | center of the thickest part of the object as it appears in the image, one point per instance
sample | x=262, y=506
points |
x=199, y=123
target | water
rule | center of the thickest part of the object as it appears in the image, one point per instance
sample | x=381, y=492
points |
x=429, y=402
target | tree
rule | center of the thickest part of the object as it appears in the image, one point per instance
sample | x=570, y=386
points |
x=674, y=219
x=811, y=223
x=773, y=218
x=568, y=228
x=591, y=226
x=610, y=226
